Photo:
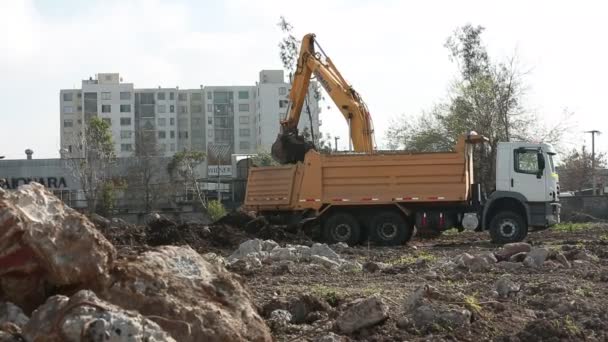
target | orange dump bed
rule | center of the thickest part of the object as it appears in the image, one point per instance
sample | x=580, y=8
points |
x=361, y=179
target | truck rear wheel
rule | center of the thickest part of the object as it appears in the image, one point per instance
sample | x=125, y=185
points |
x=388, y=228
x=342, y=227
x=507, y=227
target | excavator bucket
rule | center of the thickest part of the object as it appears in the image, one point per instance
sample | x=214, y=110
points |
x=290, y=148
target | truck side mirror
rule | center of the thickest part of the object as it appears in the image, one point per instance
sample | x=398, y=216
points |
x=541, y=164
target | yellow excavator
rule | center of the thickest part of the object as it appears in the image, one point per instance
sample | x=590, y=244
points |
x=290, y=146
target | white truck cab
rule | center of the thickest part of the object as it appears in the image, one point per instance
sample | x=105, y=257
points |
x=527, y=191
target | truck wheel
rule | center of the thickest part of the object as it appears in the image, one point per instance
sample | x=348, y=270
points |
x=389, y=228
x=342, y=227
x=507, y=227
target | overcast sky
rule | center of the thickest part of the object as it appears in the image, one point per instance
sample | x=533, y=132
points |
x=391, y=51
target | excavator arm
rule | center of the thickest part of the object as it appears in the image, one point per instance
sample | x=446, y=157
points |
x=290, y=146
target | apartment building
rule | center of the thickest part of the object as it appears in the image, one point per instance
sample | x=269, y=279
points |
x=219, y=120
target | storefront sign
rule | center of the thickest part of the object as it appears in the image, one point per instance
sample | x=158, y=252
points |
x=49, y=182
x=225, y=170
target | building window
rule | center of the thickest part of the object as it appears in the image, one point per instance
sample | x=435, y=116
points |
x=162, y=122
x=68, y=109
x=172, y=134
x=210, y=107
x=196, y=108
x=126, y=147
x=163, y=147
x=244, y=132
x=182, y=135
x=182, y=97
x=125, y=108
x=243, y=119
x=162, y=134
x=172, y=147
x=283, y=103
x=108, y=121
x=244, y=145
x=244, y=107
x=80, y=108
x=209, y=96
x=126, y=134
x=282, y=91
x=196, y=96
x=125, y=95
x=243, y=95
x=67, y=96
x=161, y=108
x=210, y=120
x=106, y=108
x=125, y=121
x=160, y=96
x=210, y=132
x=183, y=109
x=171, y=96
x=172, y=121
x=171, y=109
x=106, y=95
x=68, y=123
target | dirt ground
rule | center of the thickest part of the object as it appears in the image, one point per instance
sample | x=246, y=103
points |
x=553, y=303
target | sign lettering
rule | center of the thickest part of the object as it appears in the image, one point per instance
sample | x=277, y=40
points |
x=49, y=182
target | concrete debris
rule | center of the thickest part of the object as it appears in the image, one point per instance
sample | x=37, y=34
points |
x=11, y=313
x=351, y=266
x=195, y=300
x=372, y=266
x=279, y=319
x=518, y=257
x=561, y=258
x=331, y=337
x=369, y=312
x=302, y=307
x=513, y=248
x=323, y=250
x=215, y=259
x=421, y=313
x=246, y=248
x=536, y=257
x=325, y=261
x=50, y=243
x=505, y=287
x=84, y=317
x=478, y=263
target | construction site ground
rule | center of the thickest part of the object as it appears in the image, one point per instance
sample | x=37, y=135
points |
x=552, y=302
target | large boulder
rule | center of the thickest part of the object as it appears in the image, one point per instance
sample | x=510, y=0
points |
x=536, y=257
x=181, y=288
x=511, y=249
x=84, y=317
x=48, y=242
x=366, y=313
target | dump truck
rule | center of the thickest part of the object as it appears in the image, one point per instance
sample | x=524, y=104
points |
x=385, y=196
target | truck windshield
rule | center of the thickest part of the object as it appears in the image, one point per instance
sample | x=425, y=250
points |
x=551, y=162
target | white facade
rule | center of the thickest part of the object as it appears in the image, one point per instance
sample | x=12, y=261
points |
x=213, y=119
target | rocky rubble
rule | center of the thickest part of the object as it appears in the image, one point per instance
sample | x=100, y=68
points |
x=77, y=288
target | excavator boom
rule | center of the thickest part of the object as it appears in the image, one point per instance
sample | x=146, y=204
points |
x=291, y=147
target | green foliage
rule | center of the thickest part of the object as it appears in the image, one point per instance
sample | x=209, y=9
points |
x=263, y=158
x=575, y=170
x=331, y=295
x=288, y=47
x=216, y=210
x=98, y=141
x=571, y=227
x=184, y=164
x=411, y=259
x=108, y=196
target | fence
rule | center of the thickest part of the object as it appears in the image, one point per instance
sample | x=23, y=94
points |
x=596, y=206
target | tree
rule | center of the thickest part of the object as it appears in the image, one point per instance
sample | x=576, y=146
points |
x=185, y=164
x=145, y=170
x=263, y=158
x=486, y=97
x=575, y=170
x=92, y=169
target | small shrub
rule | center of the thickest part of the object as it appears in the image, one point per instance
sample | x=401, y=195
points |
x=216, y=210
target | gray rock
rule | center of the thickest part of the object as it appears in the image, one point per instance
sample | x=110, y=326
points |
x=269, y=245
x=490, y=257
x=247, y=265
x=423, y=316
x=372, y=266
x=416, y=299
x=454, y=318
x=351, y=266
x=505, y=287
x=479, y=264
x=369, y=312
x=463, y=260
x=585, y=255
x=11, y=313
x=431, y=275
x=279, y=319
x=513, y=248
x=561, y=258
x=248, y=247
x=321, y=249
x=284, y=253
x=322, y=260
x=536, y=257
x=283, y=267
x=427, y=315
x=302, y=307
x=216, y=259
x=519, y=257
x=339, y=247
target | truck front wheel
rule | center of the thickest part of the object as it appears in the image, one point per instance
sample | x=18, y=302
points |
x=507, y=227
x=342, y=227
x=389, y=228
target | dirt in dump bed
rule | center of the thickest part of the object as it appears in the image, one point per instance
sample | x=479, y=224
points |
x=552, y=302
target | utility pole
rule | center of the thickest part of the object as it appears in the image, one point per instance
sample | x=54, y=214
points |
x=336, y=140
x=593, y=133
